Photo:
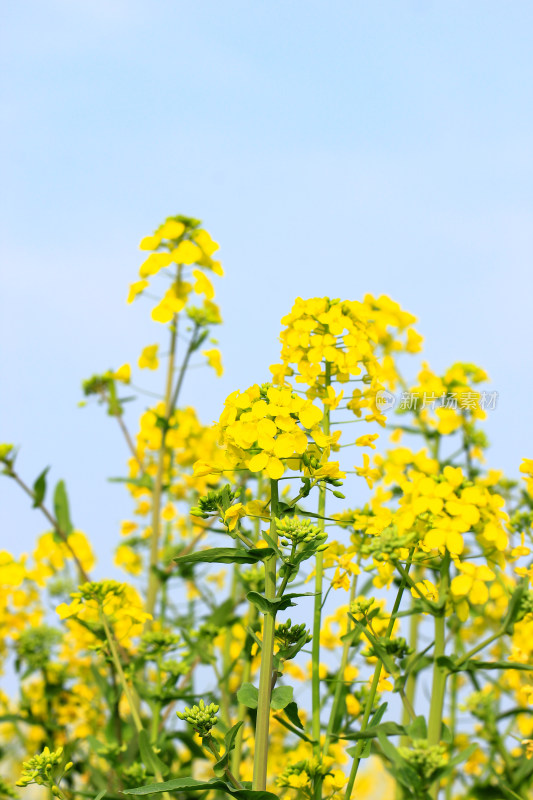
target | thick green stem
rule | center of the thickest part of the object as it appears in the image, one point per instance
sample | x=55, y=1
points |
x=267, y=657
x=242, y=709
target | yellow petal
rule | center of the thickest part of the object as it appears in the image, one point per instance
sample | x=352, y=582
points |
x=310, y=416
x=258, y=462
x=275, y=468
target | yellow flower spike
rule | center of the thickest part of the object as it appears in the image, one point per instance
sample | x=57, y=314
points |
x=148, y=358
x=136, y=289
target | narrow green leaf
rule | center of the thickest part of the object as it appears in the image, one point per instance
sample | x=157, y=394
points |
x=192, y=785
x=61, y=508
x=291, y=711
x=146, y=482
x=513, y=609
x=225, y=555
x=385, y=728
x=150, y=760
x=230, y=736
x=39, y=488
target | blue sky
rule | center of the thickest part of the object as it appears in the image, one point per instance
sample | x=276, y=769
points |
x=331, y=148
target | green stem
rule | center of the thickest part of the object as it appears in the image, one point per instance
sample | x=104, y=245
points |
x=153, y=579
x=211, y=744
x=481, y=646
x=344, y=663
x=373, y=689
x=84, y=576
x=454, y=692
x=410, y=684
x=120, y=672
x=317, y=613
x=267, y=657
x=440, y=673
x=242, y=709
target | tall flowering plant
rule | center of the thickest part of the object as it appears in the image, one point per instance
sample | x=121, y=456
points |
x=296, y=620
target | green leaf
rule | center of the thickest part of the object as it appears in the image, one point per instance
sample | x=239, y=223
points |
x=220, y=616
x=273, y=606
x=455, y=665
x=447, y=663
x=39, y=488
x=225, y=555
x=150, y=760
x=418, y=728
x=514, y=605
x=281, y=697
x=198, y=342
x=261, y=602
x=192, y=785
x=100, y=794
x=268, y=539
x=402, y=771
x=248, y=695
x=146, y=482
x=231, y=735
x=373, y=731
x=291, y=711
x=374, y=722
x=229, y=740
x=293, y=729
x=61, y=508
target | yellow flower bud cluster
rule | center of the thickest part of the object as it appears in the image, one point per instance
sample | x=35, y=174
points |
x=201, y=717
x=42, y=768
